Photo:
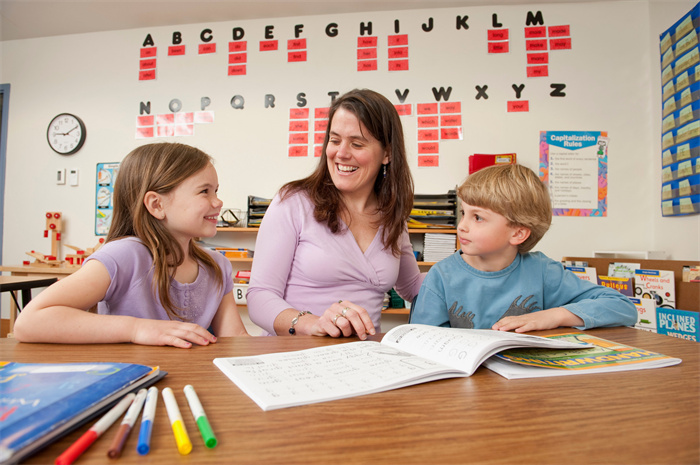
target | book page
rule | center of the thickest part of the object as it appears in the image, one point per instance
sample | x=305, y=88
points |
x=460, y=348
x=326, y=373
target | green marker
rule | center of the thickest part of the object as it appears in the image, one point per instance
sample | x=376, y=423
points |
x=200, y=417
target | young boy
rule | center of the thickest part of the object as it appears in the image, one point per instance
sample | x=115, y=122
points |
x=495, y=282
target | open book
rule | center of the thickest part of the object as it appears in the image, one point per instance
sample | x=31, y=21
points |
x=407, y=355
x=41, y=402
x=602, y=356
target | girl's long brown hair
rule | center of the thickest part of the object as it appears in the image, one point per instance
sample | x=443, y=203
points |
x=159, y=168
x=394, y=192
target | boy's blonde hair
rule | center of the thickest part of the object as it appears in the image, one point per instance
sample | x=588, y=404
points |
x=515, y=192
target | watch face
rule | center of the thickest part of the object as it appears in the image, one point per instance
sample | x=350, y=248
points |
x=66, y=134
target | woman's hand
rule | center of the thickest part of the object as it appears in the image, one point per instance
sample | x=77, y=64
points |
x=169, y=333
x=344, y=319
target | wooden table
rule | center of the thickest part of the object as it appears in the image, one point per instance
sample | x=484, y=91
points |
x=25, y=284
x=57, y=272
x=636, y=417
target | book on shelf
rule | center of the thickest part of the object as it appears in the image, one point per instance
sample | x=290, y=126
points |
x=646, y=314
x=407, y=355
x=413, y=223
x=658, y=285
x=603, y=356
x=622, y=269
x=691, y=274
x=587, y=273
x=437, y=247
x=41, y=402
x=621, y=284
x=682, y=324
x=426, y=212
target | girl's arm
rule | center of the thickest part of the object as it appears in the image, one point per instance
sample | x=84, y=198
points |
x=227, y=321
x=59, y=314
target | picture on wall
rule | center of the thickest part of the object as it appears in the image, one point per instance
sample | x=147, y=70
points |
x=574, y=166
x=106, y=176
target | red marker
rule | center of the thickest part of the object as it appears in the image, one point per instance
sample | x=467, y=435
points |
x=86, y=440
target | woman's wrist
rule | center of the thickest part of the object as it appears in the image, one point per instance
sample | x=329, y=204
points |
x=295, y=320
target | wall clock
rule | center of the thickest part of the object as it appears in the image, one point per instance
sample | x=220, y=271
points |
x=66, y=134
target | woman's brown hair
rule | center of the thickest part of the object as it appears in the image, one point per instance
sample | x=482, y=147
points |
x=160, y=168
x=394, y=191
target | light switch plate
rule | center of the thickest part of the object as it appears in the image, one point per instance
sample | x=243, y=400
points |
x=73, y=177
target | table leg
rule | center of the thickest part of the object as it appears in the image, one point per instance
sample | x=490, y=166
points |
x=13, y=313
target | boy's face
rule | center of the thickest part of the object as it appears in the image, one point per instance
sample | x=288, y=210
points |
x=486, y=239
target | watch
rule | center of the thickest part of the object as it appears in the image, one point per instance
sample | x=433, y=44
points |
x=66, y=134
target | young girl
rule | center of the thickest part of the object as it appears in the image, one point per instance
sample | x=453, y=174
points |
x=151, y=282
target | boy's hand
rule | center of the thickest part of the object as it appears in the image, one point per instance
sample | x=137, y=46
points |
x=535, y=321
x=170, y=333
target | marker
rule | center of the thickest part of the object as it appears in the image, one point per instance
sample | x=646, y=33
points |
x=81, y=445
x=149, y=414
x=115, y=450
x=200, y=417
x=184, y=446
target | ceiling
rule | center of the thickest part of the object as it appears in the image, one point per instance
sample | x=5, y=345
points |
x=27, y=19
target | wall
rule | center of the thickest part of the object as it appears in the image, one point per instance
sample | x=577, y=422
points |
x=611, y=76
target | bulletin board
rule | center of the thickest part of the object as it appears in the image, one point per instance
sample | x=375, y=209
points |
x=680, y=132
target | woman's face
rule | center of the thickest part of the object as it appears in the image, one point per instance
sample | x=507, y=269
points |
x=354, y=155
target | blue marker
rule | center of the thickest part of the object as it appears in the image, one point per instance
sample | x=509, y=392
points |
x=149, y=414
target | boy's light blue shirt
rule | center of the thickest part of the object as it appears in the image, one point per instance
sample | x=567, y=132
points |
x=455, y=294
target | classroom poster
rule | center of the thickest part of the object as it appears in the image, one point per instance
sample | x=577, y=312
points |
x=574, y=166
x=106, y=175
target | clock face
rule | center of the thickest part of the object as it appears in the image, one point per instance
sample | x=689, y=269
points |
x=66, y=134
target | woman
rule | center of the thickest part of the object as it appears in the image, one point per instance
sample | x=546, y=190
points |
x=332, y=244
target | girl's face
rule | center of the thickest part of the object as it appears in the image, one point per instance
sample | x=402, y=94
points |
x=354, y=155
x=192, y=208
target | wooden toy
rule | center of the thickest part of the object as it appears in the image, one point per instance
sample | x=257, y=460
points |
x=54, y=226
x=76, y=259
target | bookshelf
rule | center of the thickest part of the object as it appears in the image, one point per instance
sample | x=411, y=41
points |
x=687, y=294
x=247, y=230
x=238, y=230
x=424, y=266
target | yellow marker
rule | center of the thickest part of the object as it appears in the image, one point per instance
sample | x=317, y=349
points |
x=184, y=445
